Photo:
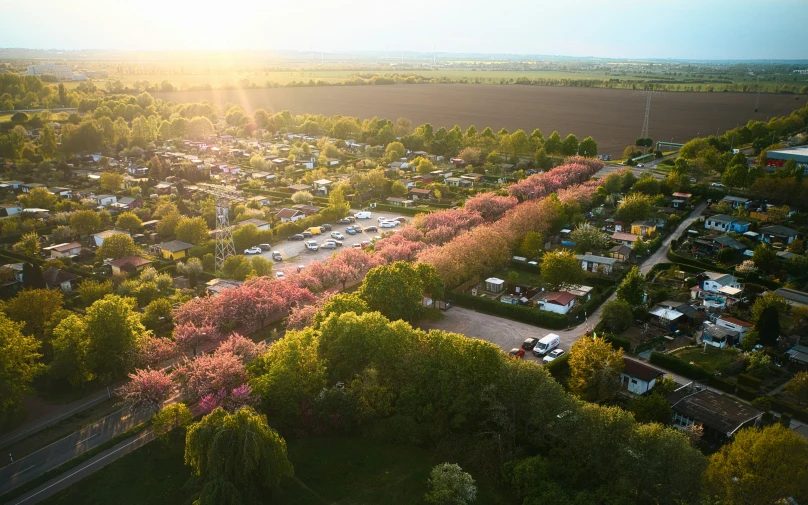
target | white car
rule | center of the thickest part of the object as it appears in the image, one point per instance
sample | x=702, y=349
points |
x=280, y=276
x=337, y=235
x=311, y=245
x=555, y=353
x=328, y=245
x=253, y=250
x=388, y=224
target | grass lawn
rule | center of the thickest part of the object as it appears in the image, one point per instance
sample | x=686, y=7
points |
x=340, y=471
x=713, y=360
x=519, y=276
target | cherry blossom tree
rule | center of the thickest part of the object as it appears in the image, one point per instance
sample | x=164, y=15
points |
x=152, y=351
x=190, y=337
x=396, y=247
x=147, y=389
x=244, y=348
x=239, y=397
x=210, y=373
x=490, y=206
x=542, y=184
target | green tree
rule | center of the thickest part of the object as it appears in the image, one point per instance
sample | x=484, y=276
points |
x=736, y=176
x=129, y=221
x=114, y=329
x=531, y=245
x=423, y=166
x=594, y=369
x=553, y=143
x=588, y=147
x=261, y=266
x=19, y=363
x=39, y=198
x=116, y=247
x=395, y=290
x=168, y=222
x=28, y=245
x=587, y=238
x=239, y=449
x=199, y=128
x=35, y=308
x=398, y=190
x=617, y=316
x=85, y=222
x=798, y=387
x=192, y=230
x=336, y=202
x=302, y=197
x=71, y=345
x=91, y=290
x=640, y=247
x=111, y=182
x=635, y=207
x=171, y=422
x=570, y=145
x=652, y=408
x=632, y=288
x=394, y=151
x=760, y=465
x=237, y=268
x=542, y=160
x=647, y=185
x=450, y=485
x=765, y=257
x=560, y=268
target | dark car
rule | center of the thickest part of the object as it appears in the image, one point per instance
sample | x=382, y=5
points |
x=306, y=234
x=529, y=343
x=371, y=228
x=296, y=236
x=276, y=256
x=346, y=220
x=516, y=353
x=325, y=227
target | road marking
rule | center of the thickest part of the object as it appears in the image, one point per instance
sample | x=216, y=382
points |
x=86, y=439
x=22, y=471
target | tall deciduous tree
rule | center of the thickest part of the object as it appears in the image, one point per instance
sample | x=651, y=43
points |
x=129, y=221
x=617, y=315
x=635, y=206
x=594, y=369
x=632, y=288
x=85, y=222
x=111, y=182
x=588, y=238
x=116, y=247
x=395, y=290
x=450, y=485
x=192, y=230
x=560, y=268
x=114, y=329
x=172, y=421
x=70, y=351
x=19, y=363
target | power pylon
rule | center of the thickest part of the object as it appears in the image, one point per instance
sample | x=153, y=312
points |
x=223, y=195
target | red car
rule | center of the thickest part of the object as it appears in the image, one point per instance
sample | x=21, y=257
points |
x=516, y=353
x=365, y=243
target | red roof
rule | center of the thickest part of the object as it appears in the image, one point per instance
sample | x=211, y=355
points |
x=736, y=322
x=640, y=370
x=134, y=261
x=288, y=213
x=561, y=298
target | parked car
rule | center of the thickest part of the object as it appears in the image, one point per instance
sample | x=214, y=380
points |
x=276, y=256
x=516, y=352
x=265, y=247
x=640, y=165
x=280, y=276
x=311, y=245
x=296, y=236
x=337, y=235
x=350, y=231
x=253, y=250
x=357, y=246
x=717, y=185
x=364, y=243
x=546, y=344
x=328, y=245
x=555, y=353
x=326, y=227
x=365, y=214
x=381, y=219
x=307, y=234
x=300, y=268
x=370, y=229
x=346, y=220
x=529, y=343
x=337, y=243
x=401, y=220
x=314, y=230
x=388, y=224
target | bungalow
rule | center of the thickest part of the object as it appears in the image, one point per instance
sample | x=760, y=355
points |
x=62, y=192
x=725, y=223
x=59, y=279
x=472, y=177
x=105, y=200
x=719, y=336
x=793, y=297
x=721, y=283
x=216, y=286
x=13, y=185
x=137, y=171
x=26, y=188
x=689, y=313
x=734, y=324
x=290, y=215
x=66, y=250
x=778, y=234
x=626, y=239
x=637, y=377
x=560, y=302
x=306, y=163
x=735, y=201
x=643, y=228
x=9, y=209
x=725, y=241
x=419, y=194
x=798, y=355
x=173, y=249
x=622, y=253
x=719, y=416
x=332, y=162
x=396, y=165
x=322, y=186
x=103, y=235
x=163, y=188
x=260, y=200
x=309, y=210
x=458, y=182
x=401, y=202
x=596, y=264
x=128, y=264
x=259, y=223
x=294, y=188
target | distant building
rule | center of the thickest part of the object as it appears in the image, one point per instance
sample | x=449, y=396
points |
x=776, y=158
x=62, y=72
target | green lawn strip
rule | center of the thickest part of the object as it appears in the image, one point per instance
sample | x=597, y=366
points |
x=712, y=360
x=64, y=467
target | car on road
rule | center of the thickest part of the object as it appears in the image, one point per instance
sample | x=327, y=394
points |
x=347, y=220
x=328, y=245
x=640, y=165
x=280, y=276
x=516, y=352
x=717, y=185
x=370, y=229
x=529, y=343
x=311, y=245
x=555, y=353
x=265, y=247
x=337, y=235
x=296, y=236
x=253, y=250
x=276, y=256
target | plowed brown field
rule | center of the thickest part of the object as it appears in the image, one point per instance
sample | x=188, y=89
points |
x=613, y=117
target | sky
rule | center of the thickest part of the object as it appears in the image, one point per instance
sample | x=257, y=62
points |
x=679, y=29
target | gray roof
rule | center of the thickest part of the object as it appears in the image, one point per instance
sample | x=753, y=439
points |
x=793, y=295
x=738, y=199
x=722, y=218
x=728, y=241
x=712, y=409
x=174, y=246
x=779, y=230
x=592, y=258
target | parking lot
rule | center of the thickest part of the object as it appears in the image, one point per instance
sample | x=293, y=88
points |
x=295, y=253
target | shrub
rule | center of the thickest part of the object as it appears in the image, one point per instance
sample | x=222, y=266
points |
x=748, y=381
x=521, y=313
x=721, y=384
x=679, y=366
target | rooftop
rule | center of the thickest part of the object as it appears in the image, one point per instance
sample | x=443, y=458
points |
x=174, y=246
x=133, y=261
x=711, y=409
x=640, y=370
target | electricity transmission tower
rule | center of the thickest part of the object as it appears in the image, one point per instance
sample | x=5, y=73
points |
x=223, y=195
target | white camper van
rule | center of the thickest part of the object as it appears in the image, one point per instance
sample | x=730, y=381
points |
x=546, y=344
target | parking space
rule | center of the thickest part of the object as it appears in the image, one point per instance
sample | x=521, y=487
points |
x=295, y=253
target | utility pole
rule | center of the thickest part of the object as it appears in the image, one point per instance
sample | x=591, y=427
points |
x=223, y=195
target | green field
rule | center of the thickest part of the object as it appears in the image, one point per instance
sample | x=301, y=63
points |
x=713, y=360
x=343, y=471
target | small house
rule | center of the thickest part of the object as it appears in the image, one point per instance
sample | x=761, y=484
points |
x=793, y=297
x=322, y=186
x=419, y=194
x=734, y=324
x=103, y=235
x=719, y=336
x=725, y=223
x=59, y=279
x=735, y=201
x=719, y=416
x=560, y=302
x=621, y=253
x=66, y=250
x=174, y=249
x=778, y=234
x=626, y=239
x=260, y=200
x=216, y=286
x=105, y=200
x=494, y=285
x=637, y=377
x=128, y=264
x=258, y=223
x=290, y=215
x=401, y=202
x=596, y=264
x=643, y=228
x=716, y=282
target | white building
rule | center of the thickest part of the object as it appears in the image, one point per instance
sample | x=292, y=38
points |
x=637, y=377
x=734, y=324
x=63, y=72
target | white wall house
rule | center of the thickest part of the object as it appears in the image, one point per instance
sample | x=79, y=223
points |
x=638, y=378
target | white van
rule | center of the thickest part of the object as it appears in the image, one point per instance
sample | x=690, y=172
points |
x=546, y=344
x=365, y=214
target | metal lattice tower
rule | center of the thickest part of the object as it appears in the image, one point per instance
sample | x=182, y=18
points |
x=223, y=195
x=644, y=132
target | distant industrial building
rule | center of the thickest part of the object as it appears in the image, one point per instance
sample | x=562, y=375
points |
x=63, y=72
x=776, y=158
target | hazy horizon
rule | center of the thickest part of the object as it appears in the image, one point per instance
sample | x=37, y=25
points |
x=688, y=30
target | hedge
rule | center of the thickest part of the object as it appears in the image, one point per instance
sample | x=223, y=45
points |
x=721, y=384
x=521, y=313
x=678, y=258
x=407, y=211
x=746, y=393
x=749, y=381
x=618, y=342
x=679, y=366
x=798, y=413
x=14, y=238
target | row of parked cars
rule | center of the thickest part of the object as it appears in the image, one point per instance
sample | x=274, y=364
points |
x=276, y=255
x=545, y=348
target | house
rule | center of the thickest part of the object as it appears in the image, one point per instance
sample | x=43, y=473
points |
x=9, y=209
x=128, y=264
x=637, y=377
x=290, y=215
x=26, y=188
x=719, y=416
x=721, y=283
x=596, y=264
x=472, y=177
x=66, y=250
x=458, y=182
x=216, y=286
x=725, y=223
x=307, y=209
x=103, y=235
x=735, y=201
x=105, y=200
x=62, y=192
x=332, y=162
x=163, y=188
x=173, y=249
x=725, y=241
x=626, y=239
x=622, y=253
x=560, y=302
x=59, y=279
x=307, y=163
x=401, y=202
x=793, y=297
x=419, y=194
x=137, y=171
x=798, y=355
x=666, y=317
x=778, y=234
x=258, y=223
x=643, y=228
x=734, y=324
x=689, y=313
x=719, y=336
x=294, y=188
x=262, y=201
x=322, y=186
